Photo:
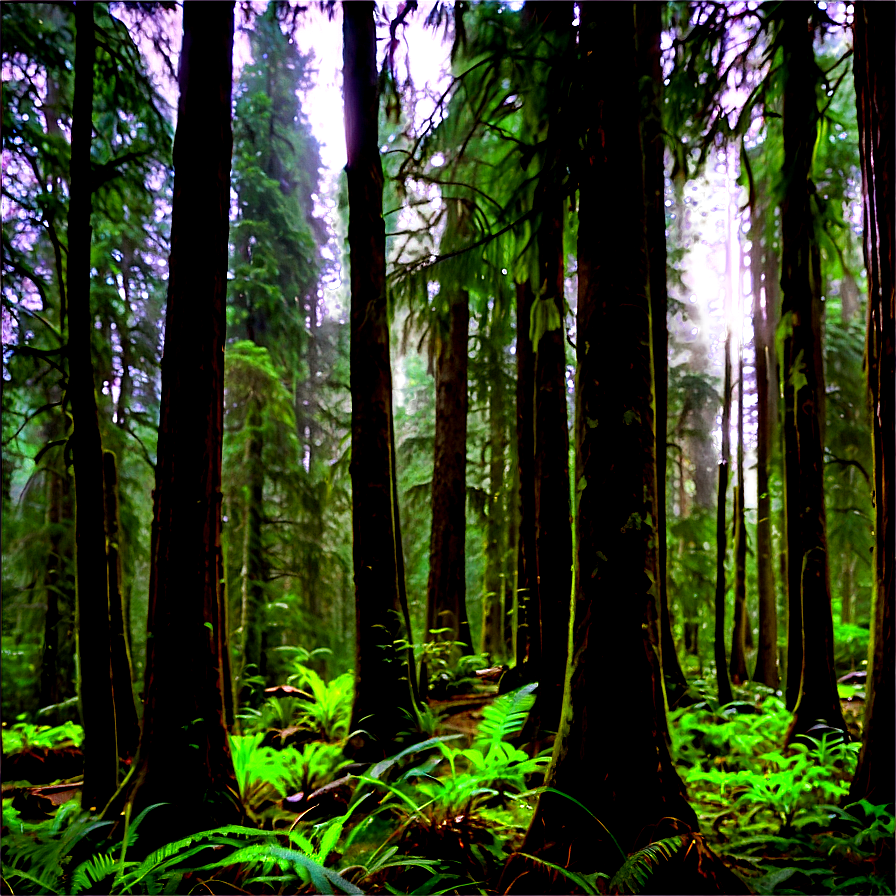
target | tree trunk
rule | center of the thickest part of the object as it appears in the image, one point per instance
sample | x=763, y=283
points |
x=553, y=518
x=630, y=783
x=57, y=672
x=254, y=573
x=764, y=322
x=127, y=726
x=874, y=62
x=447, y=604
x=382, y=693
x=184, y=757
x=738, y=666
x=649, y=27
x=492, y=636
x=724, y=685
x=94, y=646
x=529, y=619
x=808, y=577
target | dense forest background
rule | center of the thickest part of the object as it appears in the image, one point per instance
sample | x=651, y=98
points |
x=503, y=504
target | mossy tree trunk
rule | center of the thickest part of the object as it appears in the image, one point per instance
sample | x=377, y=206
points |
x=528, y=651
x=184, y=757
x=649, y=26
x=628, y=783
x=765, y=298
x=807, y=558
x=446, y=592
x=127, y=726
x=383, y=702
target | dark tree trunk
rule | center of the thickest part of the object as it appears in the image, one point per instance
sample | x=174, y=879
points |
x=492, y=637
x=724, y=684
x=629, y=784
x=57, y=673
x=184, y=757
x=764, y=321
x=738, y=665
x=446, y=604
x=807, y=558
x=649, y=26
x=382, y=693
x=127, y=726
x=553, y=518
x=874, y=63
x=94, y=650
x=529, y=620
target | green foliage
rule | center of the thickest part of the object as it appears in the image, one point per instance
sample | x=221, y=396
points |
x=264, y=773
x=467, y=805
x=327, y=707
x=635, y=872
x=25, y=736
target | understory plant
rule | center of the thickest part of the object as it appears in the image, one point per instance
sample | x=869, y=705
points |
x=24, y=735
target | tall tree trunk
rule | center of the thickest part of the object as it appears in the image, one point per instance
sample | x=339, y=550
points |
x=446, y=604
x=492, y=636
x=127, y=726
x=529, y=619
x=724, y=685
x=738, y=664
x=807, y=554
x=94, y=646
x=184, y=757
x=629, y=784
x=553, y=518
x=649, y=26
x=766, y=412
x=254, y=572
x=382, y=693
x=874, y=63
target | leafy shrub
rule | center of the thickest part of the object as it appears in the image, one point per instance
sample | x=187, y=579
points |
x=264, y=773
x=24, y=736
x=464, y=805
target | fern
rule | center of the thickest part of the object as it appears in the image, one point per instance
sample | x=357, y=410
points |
x=92, y=871
x=504, y=718
x=637, y=868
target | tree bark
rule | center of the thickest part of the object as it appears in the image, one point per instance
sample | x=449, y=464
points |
x=127, y=726
x=724, y=685
x=874, y=62
x=447, y=604
x=764, y=322
x=184, y=757
x=492, y=633
x=629, y=784
x=382, y=694
x=254, y=572
x=649, y=26
x=738, y=664
x=553, y=517
x=808, y=577
x=94, y=645
x=529, y=618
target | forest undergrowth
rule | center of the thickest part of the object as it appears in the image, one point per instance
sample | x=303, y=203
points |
x=443, y=814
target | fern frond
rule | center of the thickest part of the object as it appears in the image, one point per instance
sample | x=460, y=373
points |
x=92, y=871
x=504, y=718
x=637, y=868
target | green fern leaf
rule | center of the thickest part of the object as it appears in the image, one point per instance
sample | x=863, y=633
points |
x=637, y=868
x=504, y=718
x=92, y=871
